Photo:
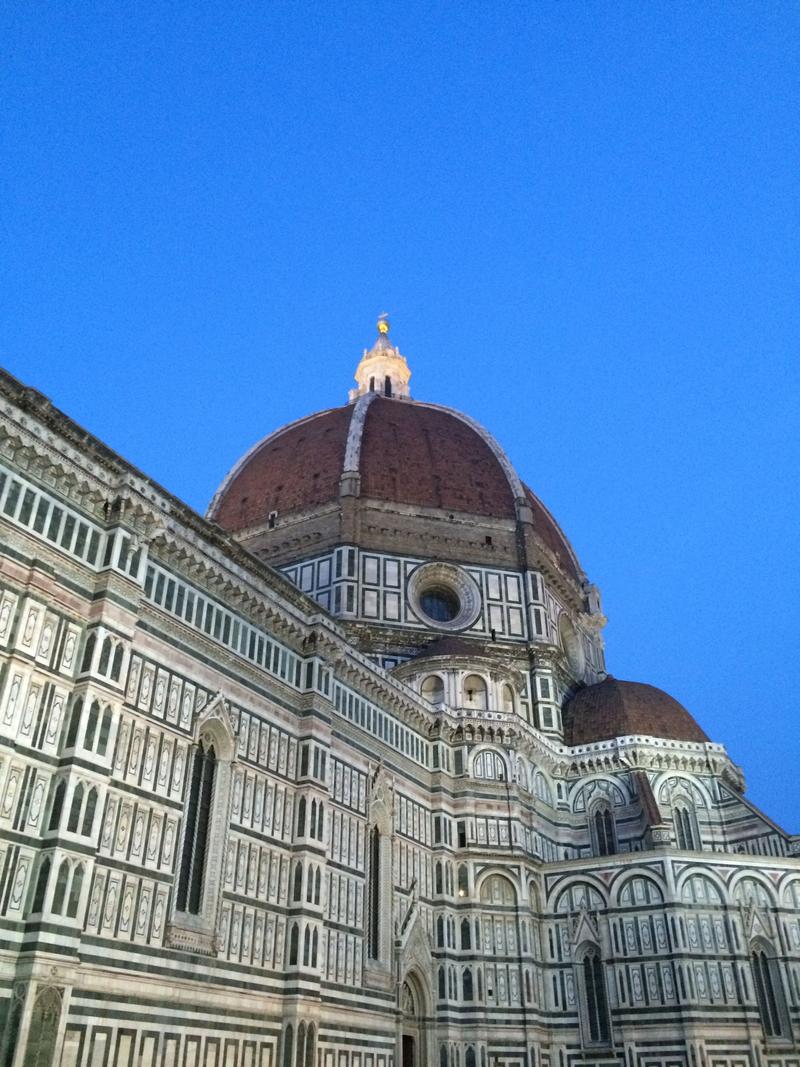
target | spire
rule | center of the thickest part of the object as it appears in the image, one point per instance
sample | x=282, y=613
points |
x=382, y=369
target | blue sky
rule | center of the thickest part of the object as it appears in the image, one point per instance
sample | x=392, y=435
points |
x=583, y=219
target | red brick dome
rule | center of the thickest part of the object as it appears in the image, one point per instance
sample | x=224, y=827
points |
x=400, y=450
x=613, y=708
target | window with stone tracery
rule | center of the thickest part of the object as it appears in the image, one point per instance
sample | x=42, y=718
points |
x=594, y=1001
x=489, y=765
x=686, y=835
x=769, y=991
x=603, y=830
x=198, y=818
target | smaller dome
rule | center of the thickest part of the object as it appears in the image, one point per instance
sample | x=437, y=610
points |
x=613, y=708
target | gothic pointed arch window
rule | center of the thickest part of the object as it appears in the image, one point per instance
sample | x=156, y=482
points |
x=374, y=891
x=73, y=900
x=769, y=991
x=198, y=820
x=75, y=809
x=58, y=805
x=603, y=830
x=60, y=891
x=205, y=822
x=73, y=723
x=379, y=882
x=466, y=934
x=87, y=823
x=40, y=889
x=105, y=732
x=91, y=725
x=595, y=1019
x=685, y=823
x=288, y=1045
x=294, y=945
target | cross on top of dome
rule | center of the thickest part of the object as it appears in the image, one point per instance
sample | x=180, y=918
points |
x=382, y=369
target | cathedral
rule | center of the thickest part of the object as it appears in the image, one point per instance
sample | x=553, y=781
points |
x=336, y=776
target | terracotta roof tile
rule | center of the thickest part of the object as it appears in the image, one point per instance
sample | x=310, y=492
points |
x=414, y=454
x=546, y=528
x=294, y=469
x=613, y=708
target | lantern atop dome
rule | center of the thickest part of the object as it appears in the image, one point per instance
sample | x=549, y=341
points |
x=382, y=369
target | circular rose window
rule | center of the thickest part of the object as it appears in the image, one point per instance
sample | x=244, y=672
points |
x=444, y=596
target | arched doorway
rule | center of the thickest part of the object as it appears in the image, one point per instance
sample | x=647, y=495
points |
x=413, y=1050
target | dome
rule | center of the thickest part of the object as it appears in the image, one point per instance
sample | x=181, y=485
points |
x=408, y=453
x=387, y=451
x=613, y=708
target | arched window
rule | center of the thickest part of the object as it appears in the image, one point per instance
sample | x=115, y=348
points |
x=507, y=696
x=685, y=828
x=88, y=652
x=58, y=804
x=374, y=892
x=605, y=843
x=595, y=1003
x=60, y=891
x=442, y=989
x=320, y=820
x=75, y=892
x=288, y=1045
x=74, y=723
x=498, y=890
x=297, y=885
x=314, y=947
x=489, y=765
x=88, y=814
x=105, y=657
x=438, y=878
x=467, y=983
x=116, y=666
x=75, y=809
x=387, y=386
x=443, y=1054
x=463, y=880
x=466, y=934
x=475, y=692
x=310, y=1034
x=301, y=817
x=301, y=1041
x=769, y=993
x=91, y=725
x=432, y=689
x=37, y=903
x=317, y=884
x=469, y=1060
x=105, y=732
x=195, y=838
x=294, y=945
x=307, y=947
x=440, y=932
